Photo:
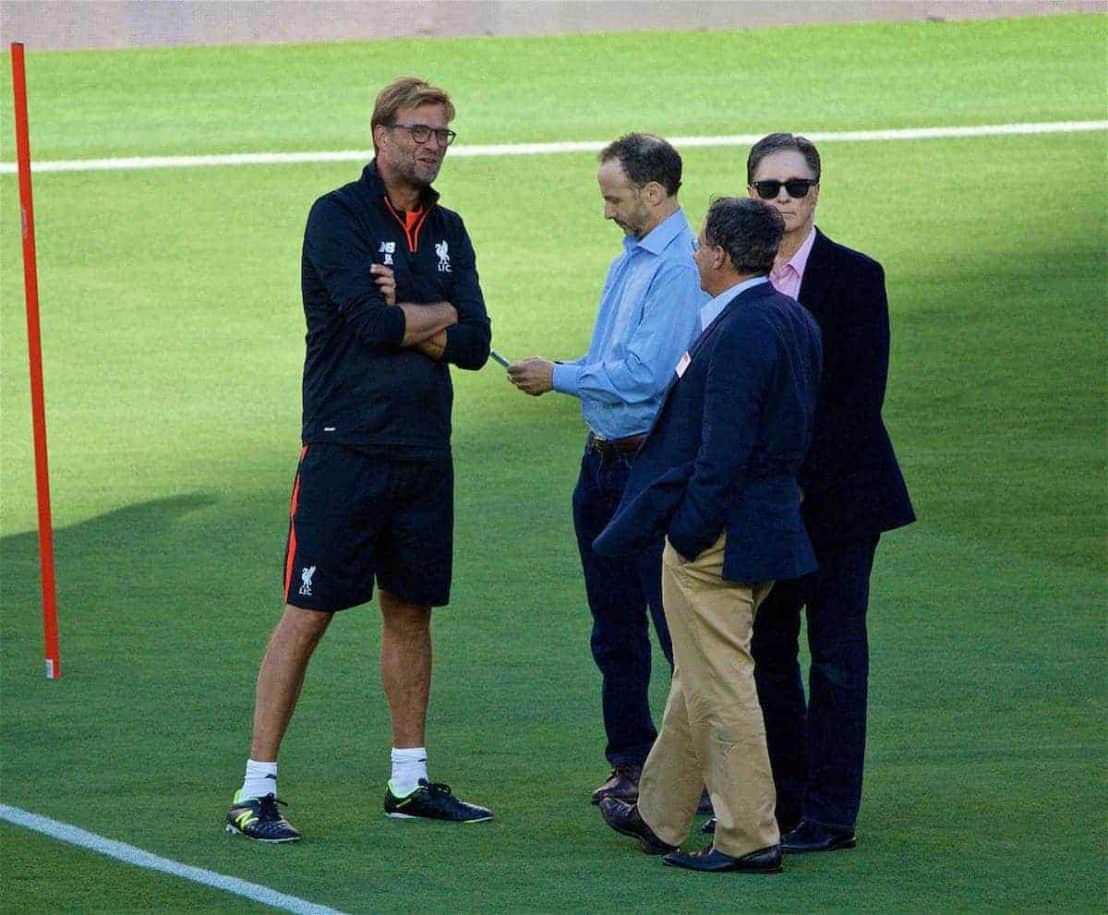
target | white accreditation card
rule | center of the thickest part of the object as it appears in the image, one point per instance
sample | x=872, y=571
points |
x=683, y=364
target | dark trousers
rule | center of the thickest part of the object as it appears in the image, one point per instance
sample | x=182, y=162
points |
x=817, y=749
x=620, y=593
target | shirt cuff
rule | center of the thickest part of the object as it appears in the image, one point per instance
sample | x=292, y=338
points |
x=565, y=379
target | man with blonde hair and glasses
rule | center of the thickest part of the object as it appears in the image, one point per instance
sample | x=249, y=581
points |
x=391, y=298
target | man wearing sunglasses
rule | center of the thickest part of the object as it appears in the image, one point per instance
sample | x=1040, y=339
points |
x=853, y=491
x=391, y=298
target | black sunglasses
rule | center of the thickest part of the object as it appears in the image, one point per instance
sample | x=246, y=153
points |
x=794, y=187
x=421, y=133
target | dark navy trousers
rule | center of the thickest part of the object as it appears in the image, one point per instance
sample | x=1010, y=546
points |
x=621, y=592
x=817, y=748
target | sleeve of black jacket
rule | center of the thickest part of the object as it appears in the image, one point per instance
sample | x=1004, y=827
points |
x=341, y=257
x=856, y=348
x=467, y=342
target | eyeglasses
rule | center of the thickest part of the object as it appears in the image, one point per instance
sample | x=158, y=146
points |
x=421, y=133
x=794, y=187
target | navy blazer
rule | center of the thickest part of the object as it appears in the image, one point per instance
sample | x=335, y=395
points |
x=727, y=443
x=853, y=487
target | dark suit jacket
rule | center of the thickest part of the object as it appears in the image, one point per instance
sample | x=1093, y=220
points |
x=727, y=443
x=853, y=487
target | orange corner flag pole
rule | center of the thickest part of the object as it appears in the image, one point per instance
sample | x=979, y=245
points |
x=34, y=349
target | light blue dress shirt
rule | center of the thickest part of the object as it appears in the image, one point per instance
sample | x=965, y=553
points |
x=711, y=311
x=649, y=315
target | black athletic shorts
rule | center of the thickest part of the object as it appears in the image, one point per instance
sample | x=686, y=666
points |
x=355, y=517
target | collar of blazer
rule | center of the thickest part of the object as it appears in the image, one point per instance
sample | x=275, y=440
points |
x=819, y=271
x=747, y=295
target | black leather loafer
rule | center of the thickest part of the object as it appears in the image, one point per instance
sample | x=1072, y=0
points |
x=625, y=819
x=762, y=861
x=809, y=836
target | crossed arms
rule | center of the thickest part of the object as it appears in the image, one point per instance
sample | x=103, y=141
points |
x=365, y=294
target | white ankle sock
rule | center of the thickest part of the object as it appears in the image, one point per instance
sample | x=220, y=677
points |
x=409, y=765
x=260, y=779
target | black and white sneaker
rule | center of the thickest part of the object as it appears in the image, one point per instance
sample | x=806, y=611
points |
x=258, y=818
x=433, y=801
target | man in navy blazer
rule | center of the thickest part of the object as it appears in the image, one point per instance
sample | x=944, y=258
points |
x=717, y=476
x=853, y=491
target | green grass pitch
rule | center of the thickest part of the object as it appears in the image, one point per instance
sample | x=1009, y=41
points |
x=172, y=332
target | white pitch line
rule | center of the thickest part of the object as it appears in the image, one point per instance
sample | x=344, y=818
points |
x=139, y=858
x=539, y=149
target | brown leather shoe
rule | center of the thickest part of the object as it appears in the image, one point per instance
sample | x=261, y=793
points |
x=622, y=784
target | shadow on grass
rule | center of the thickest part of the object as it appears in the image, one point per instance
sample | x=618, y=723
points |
x=163, y=607
x=148, y=573
x=168, y=603
x=100, y=554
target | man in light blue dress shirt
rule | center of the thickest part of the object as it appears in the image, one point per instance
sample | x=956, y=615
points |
x=649, y=316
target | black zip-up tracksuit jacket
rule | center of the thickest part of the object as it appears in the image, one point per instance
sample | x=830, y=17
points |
x=361, y=387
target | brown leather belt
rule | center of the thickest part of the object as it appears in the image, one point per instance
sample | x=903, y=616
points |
x=607, y=447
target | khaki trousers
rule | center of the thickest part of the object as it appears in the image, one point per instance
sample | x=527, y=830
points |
x=712, y=731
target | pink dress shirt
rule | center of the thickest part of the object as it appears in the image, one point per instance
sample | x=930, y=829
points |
x=788, y=278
